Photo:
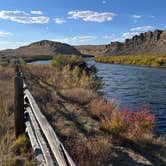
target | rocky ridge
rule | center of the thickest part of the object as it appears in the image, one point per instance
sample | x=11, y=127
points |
x=148, y=42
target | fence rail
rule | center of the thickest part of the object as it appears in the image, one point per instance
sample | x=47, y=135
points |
x=47, y=147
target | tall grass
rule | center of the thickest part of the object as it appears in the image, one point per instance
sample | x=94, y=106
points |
x=140, y=60
x=59, y=61
x=62, y=79
x=78, y=95
x=8, y=156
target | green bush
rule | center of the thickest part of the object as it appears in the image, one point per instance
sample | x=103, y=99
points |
x=59, y=61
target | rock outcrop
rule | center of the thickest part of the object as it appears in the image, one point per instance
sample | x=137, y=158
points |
x=91, y=50
x=148, y=42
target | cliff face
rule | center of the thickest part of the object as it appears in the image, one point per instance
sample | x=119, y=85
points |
x=148, y=42
x=93, y=50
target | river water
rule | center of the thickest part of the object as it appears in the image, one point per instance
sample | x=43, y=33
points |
x=132, y=86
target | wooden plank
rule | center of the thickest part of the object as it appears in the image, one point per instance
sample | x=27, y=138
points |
x=19, y=107
x=49, y=133
x=40, y=138
x=35, y=146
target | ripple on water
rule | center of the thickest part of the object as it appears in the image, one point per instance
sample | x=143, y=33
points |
x=134, y=86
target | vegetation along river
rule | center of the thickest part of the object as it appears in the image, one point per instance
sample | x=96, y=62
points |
x=133, y=86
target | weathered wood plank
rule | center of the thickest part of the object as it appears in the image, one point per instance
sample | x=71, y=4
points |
x=40, y=138
x=19, y=107
x=49, y=133
x=35, y=146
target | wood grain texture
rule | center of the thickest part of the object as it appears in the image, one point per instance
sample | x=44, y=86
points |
x=41, y=141
x=35, y=146
x=56, y=146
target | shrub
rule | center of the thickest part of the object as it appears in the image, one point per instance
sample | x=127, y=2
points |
x=59, y=61
x=115, y=123
x=101, y=107
x=137, y=126
x=141, y=124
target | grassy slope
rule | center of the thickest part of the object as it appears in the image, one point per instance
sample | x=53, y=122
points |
x=140, y=60
x=75, y=115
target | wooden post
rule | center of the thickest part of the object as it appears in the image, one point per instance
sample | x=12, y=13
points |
x=19, y=107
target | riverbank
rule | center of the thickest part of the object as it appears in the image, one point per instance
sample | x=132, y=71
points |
x=81, y=116
x=137, y=60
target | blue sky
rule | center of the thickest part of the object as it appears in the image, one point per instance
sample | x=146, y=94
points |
x=77, y=22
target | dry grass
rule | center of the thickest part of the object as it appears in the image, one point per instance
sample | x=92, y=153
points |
x=60, y=79
x=86, y=148
x=79, y=95
x=90, y=151
x=115, y=123
x=100, y=107
x=8, y=155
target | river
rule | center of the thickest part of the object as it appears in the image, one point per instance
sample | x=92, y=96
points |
x=132, y=86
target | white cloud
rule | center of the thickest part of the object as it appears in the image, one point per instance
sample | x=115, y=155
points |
x=103, y=1
x=23, y=17
x=59, y=20
x=84, y=38
x=92, y=16
x=151, y=16
x=76, y=39
x=142, y=28
x=62, y=40
x=122, y=38
x=136, y=16
x=128, y=35
x=110, y=37
x=38, y=12
x=11, y=44
x=5, y=34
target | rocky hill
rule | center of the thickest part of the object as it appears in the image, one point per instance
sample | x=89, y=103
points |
x=92, y=50
x=44, y=48
x=148, y=42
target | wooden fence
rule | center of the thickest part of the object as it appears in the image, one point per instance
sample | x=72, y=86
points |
x=48, y=149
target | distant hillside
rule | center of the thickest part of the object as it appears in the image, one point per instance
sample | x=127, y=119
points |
x=94, y=50
x=44, y=48
x=148, y=42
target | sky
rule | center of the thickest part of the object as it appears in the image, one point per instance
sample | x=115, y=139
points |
x=77, y=22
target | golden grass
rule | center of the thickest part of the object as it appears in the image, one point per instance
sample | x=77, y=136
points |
x=79, y=95
x=8, y=152
x=100, y=107
x=140, y=60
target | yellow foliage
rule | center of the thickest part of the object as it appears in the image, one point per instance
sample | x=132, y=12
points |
x=140, y=60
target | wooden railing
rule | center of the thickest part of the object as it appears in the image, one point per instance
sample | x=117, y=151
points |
x=48, y=149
